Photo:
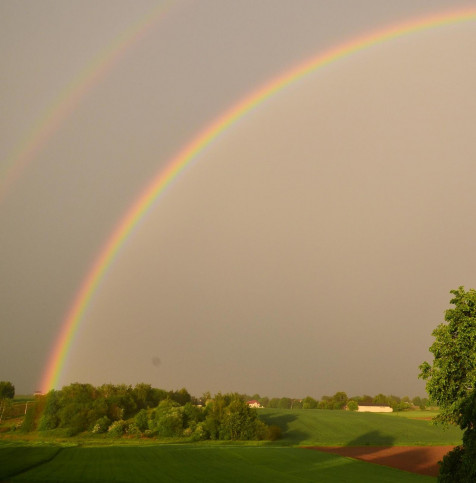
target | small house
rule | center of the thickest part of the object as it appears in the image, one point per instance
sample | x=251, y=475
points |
x=254, y=404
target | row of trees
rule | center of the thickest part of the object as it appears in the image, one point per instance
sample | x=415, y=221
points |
x=145, y=411
x=340, y=400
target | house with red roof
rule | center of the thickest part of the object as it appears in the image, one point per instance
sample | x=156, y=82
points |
x=254, y=404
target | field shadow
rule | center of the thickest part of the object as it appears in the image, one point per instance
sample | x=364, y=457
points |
x=291, y=436
x=372, y=438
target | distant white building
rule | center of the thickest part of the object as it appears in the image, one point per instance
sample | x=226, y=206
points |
x=375, y=409
x=254, y=404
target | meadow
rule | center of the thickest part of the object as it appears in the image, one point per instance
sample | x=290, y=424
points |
x=189, y=462
x=321, y=427
x=43, y=459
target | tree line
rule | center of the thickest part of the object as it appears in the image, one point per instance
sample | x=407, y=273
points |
x=144, y=411
x=340, y=400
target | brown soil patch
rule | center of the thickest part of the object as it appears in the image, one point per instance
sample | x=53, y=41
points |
x=416, y=459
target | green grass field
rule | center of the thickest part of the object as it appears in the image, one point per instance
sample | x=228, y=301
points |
x=186, y=463
x=334, y=428
x=105, y=459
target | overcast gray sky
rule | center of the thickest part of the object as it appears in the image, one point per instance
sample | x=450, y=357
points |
x=310, y=249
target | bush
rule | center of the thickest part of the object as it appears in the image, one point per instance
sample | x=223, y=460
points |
x=141, y=420
x=200, y=433
x=353, y=405
x=117, y=428
x=133, y=430
x=102, y=425
x=28, y=423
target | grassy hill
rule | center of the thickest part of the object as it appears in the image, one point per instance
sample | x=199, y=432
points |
x=186, y=463
x=333, y=428
x=129, y=460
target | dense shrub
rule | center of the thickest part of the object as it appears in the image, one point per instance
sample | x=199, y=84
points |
x=352, y=405
x=141, y=419
x=102, y=425
x=117, y=428
x=49, y=419
x=28, y=423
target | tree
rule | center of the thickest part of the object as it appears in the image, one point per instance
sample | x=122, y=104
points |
x=380, y=400
x=7, y=393
x=459, y=465
x=285, y=403
x=309, y=403
x=181, y=396
x=340, y=400
x=452, y=375
x=7, y=390
x=353, y=405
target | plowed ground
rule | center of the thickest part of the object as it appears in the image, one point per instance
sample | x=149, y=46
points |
x=417, y=459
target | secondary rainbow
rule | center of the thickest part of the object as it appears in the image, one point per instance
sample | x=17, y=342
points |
x=68, y=99
x=185, y=156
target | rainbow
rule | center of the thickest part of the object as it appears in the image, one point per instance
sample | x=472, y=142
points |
x=177, y=164
x=69, y=98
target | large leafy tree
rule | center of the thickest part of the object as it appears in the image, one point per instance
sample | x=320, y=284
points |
x=452, y=375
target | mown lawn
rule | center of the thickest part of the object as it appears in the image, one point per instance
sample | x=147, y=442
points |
x=330, y=428
x=187, y=463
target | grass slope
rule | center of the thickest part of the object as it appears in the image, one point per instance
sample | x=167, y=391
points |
x=15, y=459
x=334, y=428
x=185, y=463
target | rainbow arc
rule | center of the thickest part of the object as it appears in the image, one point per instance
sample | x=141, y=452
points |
x=188, y=153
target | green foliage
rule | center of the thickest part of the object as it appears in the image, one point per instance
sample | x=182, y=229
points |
x=6, y=408
x=145, y=396
x=284, y=403
x=49, y=419
x=181, y=396
x=117, y=428
x=353, y=405
x=141, y=420
x=28, y=423
x=168, y=419
x=459, y=465
x=380, y=400
x=7, y=390
x=451, y=468
x=452, y=375
x=366, y=400
x=229, y=417
x=309, y=403
x=102, y=425
x=337, y=401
